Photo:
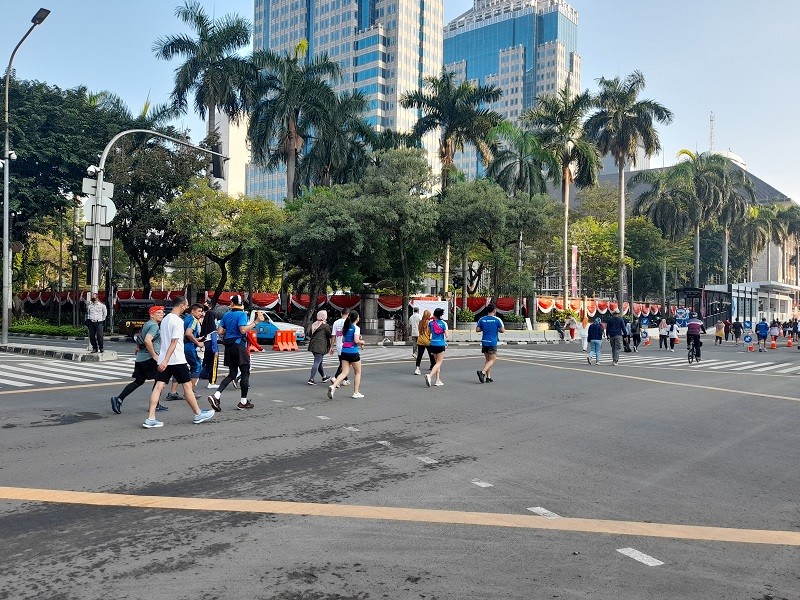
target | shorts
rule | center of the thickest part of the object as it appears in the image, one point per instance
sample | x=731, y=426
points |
x=762, y=337
x=194, y=362
x=350, y=357
x=179, y=372
x=489, y=349
x=236, y=355
x=145, y=369
x=436, y=349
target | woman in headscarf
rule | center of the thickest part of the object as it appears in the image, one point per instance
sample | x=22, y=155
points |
x=663, y=334
x=319, y=343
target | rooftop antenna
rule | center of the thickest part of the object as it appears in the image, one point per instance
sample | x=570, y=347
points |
x=711, y=132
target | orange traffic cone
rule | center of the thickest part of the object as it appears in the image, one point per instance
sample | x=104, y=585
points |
x=647, y=341
x=773, y=345
x=789, y=343
x=751, y=347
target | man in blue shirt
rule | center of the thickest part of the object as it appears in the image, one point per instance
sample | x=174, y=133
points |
x=490, y=326
x=762, y=330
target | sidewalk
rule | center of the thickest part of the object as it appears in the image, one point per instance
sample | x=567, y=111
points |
x=73, y=354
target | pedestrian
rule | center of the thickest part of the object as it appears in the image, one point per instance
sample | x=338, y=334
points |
x=595, y=337
x=192, y=341
x=489, y=326
x=636, y=334
x=571, y=325
x=145, y=367
x=774, y=330
x=694, y=327
x=96, y=313
x=232, y=330
x=559, y=328
x=762, y=331
x=319, y=344
x=663, y=334
x=615, y=329
x=626, y=336
x=727, y=328
x=674, y=330
x=736, y=329
x=350, y=356
x=336, y=331
x=413, y=326
x=208, y=332
x=719, y=332
x=438, y=329
x=424, y=341
x=172, y=363
x=584, y=333
x=794, y=329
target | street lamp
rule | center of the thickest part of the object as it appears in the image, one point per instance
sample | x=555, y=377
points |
x=37, y=19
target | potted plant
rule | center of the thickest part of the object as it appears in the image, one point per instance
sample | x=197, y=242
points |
x=465, y=318
x=512, y=321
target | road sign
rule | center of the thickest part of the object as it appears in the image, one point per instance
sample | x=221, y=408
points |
x=748, y=324
x=644, y=334
x=104, y=213
x=106, y=235
x=90, y=188
x=748, y=338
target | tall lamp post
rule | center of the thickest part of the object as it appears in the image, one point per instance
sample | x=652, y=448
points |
x=37, y=19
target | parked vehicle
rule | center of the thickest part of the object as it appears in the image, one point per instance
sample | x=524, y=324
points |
x=265, y=331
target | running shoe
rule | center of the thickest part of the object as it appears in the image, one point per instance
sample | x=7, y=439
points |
x=589, y=359
x=215, y=403
x=312, y=382
x=481, y=376
x=440, y=382
x=428, y=380
x=161, y=408
x=345, y=382
x=204, y=416
x=152, y=424
x=170, y=396
x=212, y=386
x=236, y=382
x=116, y=404
x=357, y=395
x=331, y=390
x=489, y=380
x=246, y=406
x=417, y=372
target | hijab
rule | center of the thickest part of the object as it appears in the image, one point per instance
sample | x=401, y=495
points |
x=322, y=317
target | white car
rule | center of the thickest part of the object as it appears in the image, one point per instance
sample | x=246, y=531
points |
x=265, y=332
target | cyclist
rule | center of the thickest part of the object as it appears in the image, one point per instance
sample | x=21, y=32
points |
x=693, y=329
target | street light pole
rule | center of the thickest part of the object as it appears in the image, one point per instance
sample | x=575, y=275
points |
x=37, y=19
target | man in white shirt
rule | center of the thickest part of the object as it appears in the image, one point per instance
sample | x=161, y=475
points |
x=96, y=313
x=413, y=325
x=172, y=363
x=336, y=330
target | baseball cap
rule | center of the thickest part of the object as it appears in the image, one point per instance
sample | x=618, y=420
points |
x=236, y=300
x=154, y=309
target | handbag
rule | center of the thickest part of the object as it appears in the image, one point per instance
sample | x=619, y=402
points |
x=424, y=338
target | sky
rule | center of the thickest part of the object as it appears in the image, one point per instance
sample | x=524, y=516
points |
x=736, y=58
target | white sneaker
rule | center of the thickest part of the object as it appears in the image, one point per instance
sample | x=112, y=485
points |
x=439, y=383
x=212, y=386
x=417, y=371
x=428, y=380
x=331, y=390
x=357, y=395
x=345, y=382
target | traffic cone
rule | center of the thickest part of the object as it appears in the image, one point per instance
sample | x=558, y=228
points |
x=789, y=343
x=773, y=345
x=647, y=342
x=751, y=347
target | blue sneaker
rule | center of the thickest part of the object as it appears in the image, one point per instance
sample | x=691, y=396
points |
x=116, y=404
x=152, y=423
x=204, y=416
x=161, y=408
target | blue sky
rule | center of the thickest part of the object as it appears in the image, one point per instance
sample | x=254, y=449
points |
x=733, y=57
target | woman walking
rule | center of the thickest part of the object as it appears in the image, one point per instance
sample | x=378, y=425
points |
x=438, y=331
x=351, y=344
x=663, y=334
x=719, y=332
x=319, y=344
x=424, y=340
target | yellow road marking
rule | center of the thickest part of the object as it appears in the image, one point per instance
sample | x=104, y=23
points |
x=698, y=386
x=417, y=515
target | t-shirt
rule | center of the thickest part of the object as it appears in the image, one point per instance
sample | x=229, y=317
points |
x=172, y=329
x=437, y=339
x=349, y=345
x=413, y=324
x=762, y=328
x=189, y=322
x=490, y=326
x=231, y=321
x=338, y=325
x=151, y=328
x=673, y=330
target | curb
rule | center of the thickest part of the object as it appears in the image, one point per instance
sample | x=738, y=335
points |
x=64, y=354
x=39, y=336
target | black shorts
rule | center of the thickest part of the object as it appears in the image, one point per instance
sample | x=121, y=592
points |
x=436, y=349
x=145, y=369
x=489, y=349
x=236, y=355
x=179, y=372
x=350, y=357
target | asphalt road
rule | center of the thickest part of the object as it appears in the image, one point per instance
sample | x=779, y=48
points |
x=649, y=447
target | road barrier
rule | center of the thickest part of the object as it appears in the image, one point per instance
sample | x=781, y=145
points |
x=285, y=341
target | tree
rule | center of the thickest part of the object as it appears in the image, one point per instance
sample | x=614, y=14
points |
x=212, y=70
x=736, y=195
x=622, y=124
x=520, y=164
x=764, y=225
x=289, y=99
x=558, y=121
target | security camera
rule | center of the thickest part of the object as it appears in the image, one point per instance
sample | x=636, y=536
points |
x=12, y=155
x=92, y=170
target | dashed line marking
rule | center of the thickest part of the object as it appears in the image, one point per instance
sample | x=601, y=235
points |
x=355, y=429
x=640, y=556
x=543, y=512
x=384, y=443
x=483, y=484
x=280, y=401
x=298, y=408
x=323, y=418
x=427, y=460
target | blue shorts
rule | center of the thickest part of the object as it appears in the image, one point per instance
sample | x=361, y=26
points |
x=193, y=361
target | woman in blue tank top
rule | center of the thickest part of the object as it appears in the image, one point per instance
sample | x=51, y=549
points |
x=351, y=358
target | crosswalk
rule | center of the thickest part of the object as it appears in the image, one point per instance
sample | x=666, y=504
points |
x=20, y=373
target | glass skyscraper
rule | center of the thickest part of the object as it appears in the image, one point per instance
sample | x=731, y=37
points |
x=385, y=49
x=525, y=48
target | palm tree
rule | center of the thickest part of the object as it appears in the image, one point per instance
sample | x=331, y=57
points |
x=558, y=122
x=736, y=196
x=621, y=124
x=792, y=218
x=211, y=70
x=457, y=113
x=520, y=163
x=763, y=225
x=290, y=99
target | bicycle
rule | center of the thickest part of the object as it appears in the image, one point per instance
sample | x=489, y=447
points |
x=692, y=354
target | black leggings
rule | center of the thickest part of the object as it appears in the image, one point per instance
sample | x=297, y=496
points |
x=131, y=387
x=662, y=342
x=339, y=370
x=244, y=379
x=420, y=351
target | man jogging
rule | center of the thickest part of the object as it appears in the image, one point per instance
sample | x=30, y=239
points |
x=233, y=328
x=762, y=331
x=490, y=326
x=172, y=363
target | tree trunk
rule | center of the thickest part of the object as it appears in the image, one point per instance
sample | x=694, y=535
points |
x=664, y=285
x=446, y=274
x=565, y=197
x=621, y=218
x=464, y=283
x=725, y=244
x=696, y=279
x=769, y=260
x=517, y=300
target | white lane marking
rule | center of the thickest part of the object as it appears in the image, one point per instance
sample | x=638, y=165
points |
x=26, y=377
x=640, y=556
x=483, y=484
x=749, y=366
x=107, y=368
x=357, y=429
x=14, y=383
x=725, y=364
x=775, y=366
x=323, y=418
x=87, y=373
x=543, y=512
x=427, y=460
x=298, y=408
x=54, y=379
x=278, y=401
x=384, y=443
x=789, y=370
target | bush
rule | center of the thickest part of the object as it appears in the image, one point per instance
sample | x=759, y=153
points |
x=563, y=315
x=512, y=318
x=41, y=327
x=465, y=315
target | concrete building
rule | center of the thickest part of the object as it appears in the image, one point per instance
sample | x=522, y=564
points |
x=524, y=47
x=233, y=142
x=385, y=49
